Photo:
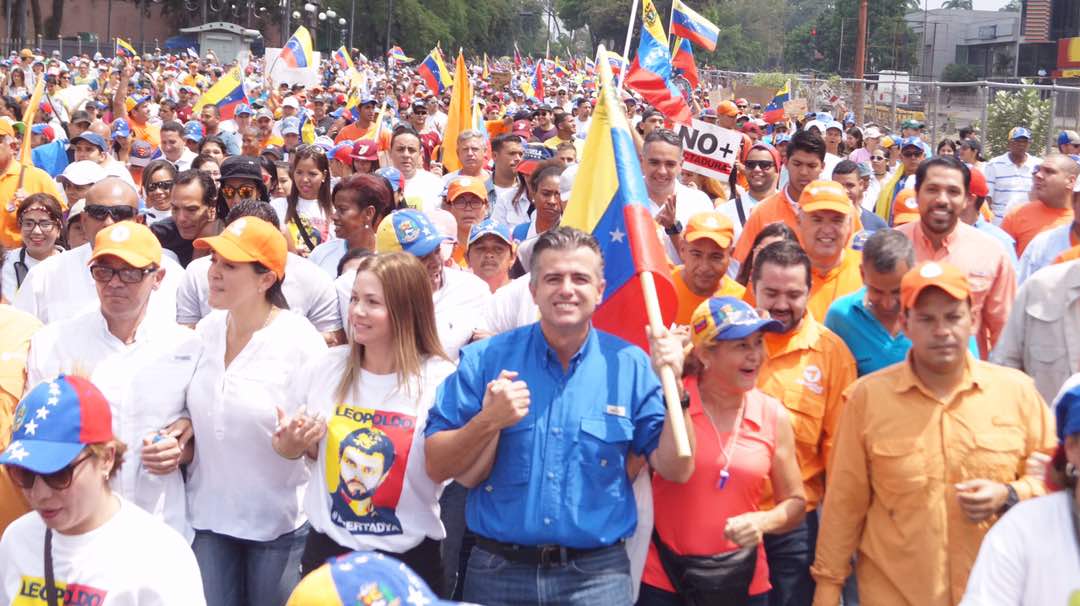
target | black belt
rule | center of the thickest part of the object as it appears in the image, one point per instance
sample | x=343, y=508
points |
x=537, y=555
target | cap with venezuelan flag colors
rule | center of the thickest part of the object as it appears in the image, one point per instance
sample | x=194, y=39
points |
x=727, y=319
x=363, y=577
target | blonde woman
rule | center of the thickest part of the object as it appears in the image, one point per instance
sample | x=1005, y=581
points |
x=359, y=421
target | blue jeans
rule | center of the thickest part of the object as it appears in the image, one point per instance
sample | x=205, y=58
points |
x=602, y=577
x=790, y=556
x=458, y=541
x=654, y=596
x=236, y=572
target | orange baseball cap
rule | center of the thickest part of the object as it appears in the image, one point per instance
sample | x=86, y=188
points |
x=250, y=240
x=711, y=224
x=466, y=185
x=825, y=195
x=906, y=207
x=131, y=242
x=940, y=275
x=727, y=108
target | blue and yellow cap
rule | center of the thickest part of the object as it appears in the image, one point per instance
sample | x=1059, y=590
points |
x=727, y=319
x=408, y=230
x=1019, y=133
x=363, y=577
x=490, y=227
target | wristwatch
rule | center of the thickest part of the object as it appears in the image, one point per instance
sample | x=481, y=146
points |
x=685, y=401
x=675, y=229
x=1011, y=500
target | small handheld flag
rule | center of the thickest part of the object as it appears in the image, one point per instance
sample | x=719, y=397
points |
x=125, y=49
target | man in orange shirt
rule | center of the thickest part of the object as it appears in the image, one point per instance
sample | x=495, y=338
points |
x=808, y=368
x=927, y=456
x=825, y=226
x=1051, y=205
x=941, y=188
x=706, y=253
x=363, y=124
x=136, y=110
x=805, y=161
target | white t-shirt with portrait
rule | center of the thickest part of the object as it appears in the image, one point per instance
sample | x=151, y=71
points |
x=369, y=487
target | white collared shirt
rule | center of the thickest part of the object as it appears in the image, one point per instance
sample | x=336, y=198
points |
x=146, y=385
x=237, y=484
x=60, y=287
x=688, y=202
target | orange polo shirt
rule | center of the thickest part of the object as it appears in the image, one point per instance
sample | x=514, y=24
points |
x=34, y=181
x=16, y=328
x=688, y=301
x=773, y=209
x=808, y=369
x=898, y=454
x=146, y=132
x=1028, y=220
x=827, y=287
x=991, y=275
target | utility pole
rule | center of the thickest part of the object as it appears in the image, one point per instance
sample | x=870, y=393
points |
x=860, y=61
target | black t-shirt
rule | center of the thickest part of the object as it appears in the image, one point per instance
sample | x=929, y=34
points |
x=169, y=235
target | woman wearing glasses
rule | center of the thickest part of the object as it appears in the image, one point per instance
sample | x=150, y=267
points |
x=157, y=182
x=40, y=221
x=243, y=500
x=81, y=542
x=241, y=179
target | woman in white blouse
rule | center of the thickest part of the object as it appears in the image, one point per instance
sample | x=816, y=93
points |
x=359, y=421
x=244, y=502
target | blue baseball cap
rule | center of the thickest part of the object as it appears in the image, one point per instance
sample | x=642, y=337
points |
x=727, y=319
x=193, y=131
x=408, y=230
x=120, y=129
x=1067, y=410
x=780, y=138
x=290, y=126
x=91, y=138
x=911, y=142
x=490, y=227
x=243, y=110
x=54, y=422
x=1019, y=133
x=363, y=577
x=394, y=176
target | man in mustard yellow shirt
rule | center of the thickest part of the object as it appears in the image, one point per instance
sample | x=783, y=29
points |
x=706, y=252
x=808, y=368
x=928, y=454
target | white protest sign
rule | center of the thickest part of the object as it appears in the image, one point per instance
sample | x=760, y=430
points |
x=708, y=149
x=281, y=72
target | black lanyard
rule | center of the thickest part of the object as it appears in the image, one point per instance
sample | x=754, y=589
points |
x=50, y=579
x=1075, y=515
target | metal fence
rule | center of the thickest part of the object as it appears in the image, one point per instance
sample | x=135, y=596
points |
x=72, y=46
x=944, y=107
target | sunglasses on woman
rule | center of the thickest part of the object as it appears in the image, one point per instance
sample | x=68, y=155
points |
x=98, y=212
x=58, y=480
x=165, y=185
x=246, y=192
x=877, y=158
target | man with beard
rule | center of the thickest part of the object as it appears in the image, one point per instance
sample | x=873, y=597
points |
x=808, y=367
x=941, y=188
x=706, y=253
x=366, y=457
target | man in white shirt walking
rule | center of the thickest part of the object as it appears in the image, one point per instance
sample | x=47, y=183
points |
x=1009, y=176
x=670, y=202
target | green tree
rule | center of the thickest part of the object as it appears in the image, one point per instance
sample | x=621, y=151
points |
x=827, y=43
x=1013, y=6
x=957, y=4
x=1009, y=109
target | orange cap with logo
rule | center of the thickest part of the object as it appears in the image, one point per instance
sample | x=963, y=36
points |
x=250, y=240
x=131, y=242
x=947, y=277
x=711, y=224
x=825, y=195
x=466, y=185
x=906, y=207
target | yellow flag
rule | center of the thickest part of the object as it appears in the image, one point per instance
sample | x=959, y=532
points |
x=25, y=156
x=459, y=115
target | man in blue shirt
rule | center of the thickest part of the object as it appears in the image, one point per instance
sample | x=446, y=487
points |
x=540, y=423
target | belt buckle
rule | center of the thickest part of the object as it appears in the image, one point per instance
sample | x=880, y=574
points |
x=550, y=555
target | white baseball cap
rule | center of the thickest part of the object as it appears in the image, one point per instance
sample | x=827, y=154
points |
x=290, y=102
x=83, y=172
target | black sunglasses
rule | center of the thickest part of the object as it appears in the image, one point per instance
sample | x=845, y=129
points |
x=128, y=275
x=877, y=158
x=98, y=212
x=165, y=185
x=58, y=480
x=912, y=154
x=762, y=164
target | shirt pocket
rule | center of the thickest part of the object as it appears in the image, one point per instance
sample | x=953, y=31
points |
x=603, y=443
x=513, y=458
x=807, y=411
x=898, y=467
x=997, y=455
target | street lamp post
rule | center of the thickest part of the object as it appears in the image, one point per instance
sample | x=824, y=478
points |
x=330, y=16
x=309, y=19
x=341, y=22
x=352, y=20
x=322, y=19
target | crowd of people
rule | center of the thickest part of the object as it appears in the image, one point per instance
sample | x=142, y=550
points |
x=289, y=356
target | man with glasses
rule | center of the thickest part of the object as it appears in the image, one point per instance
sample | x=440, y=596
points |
x=60, y=287
x=141, y=362
x=429, y=139
x=467, y=200
x=911, y=155
x=16, y=183
x=545, y=123
x=762, y=166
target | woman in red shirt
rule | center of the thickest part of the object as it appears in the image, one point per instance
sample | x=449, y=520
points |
x=744, y=439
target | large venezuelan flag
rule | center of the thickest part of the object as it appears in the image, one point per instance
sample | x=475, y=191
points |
x=298, y=52
x=650, y=73
x=774, y=111
x=686, y=23
x=434, y=72
x=683, y=59
x=609, y=201
x=227, y=94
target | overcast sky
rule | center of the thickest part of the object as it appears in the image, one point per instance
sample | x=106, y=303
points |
x=983, y=5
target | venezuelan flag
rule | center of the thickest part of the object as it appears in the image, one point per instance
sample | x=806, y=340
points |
x=774, y=111
x=686, y=23
x=398, y=55
x=616, y=62
x=590, y=66
x=344, y=61
x=682, y=60
x=298, y=50
x=307, y=127
x=558, y=70
x=124, y=48
x=650, y=73
x=227, y=94
x=434, y=72
x=610, y=204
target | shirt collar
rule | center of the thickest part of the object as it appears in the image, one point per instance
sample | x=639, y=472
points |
x=546, y=353
x=803, y=336
x=974, y=376
x=949, y=239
